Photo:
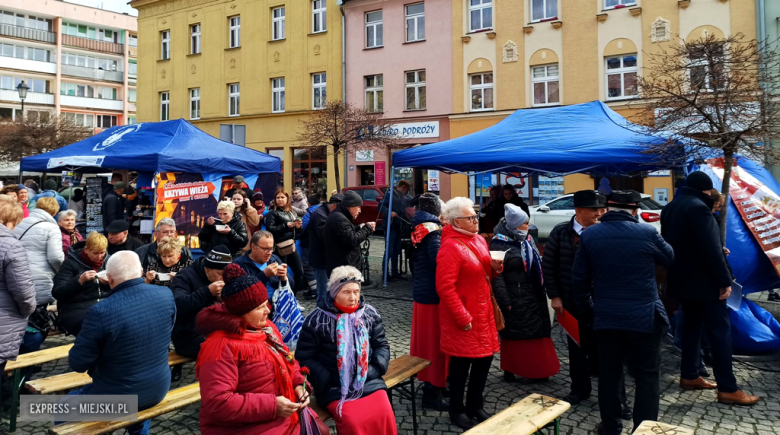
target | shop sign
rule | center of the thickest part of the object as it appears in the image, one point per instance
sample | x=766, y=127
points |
x=416, y=130
x=364, y=156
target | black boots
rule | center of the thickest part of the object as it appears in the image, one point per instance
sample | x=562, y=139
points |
x=433, y=398
x=462, y=421
x=479, y=416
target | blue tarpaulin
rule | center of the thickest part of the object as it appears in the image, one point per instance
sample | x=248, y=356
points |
x=588, y=137
x=170, y=146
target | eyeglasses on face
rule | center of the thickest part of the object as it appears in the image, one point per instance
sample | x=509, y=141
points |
x=474, y=218
x=266, y=250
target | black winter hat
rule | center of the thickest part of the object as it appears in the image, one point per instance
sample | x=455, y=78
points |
x=429, y=203
x=218, y=258
x=699, y=181
x=313, y=199
x=336, y=199
x=351, y=199
x=117, y=226
x=624, y=199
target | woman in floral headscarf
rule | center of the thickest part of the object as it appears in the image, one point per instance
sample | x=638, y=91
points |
x=344, y=345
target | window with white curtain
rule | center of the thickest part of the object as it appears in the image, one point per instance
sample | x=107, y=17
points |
x=543, y=10
x=195, y=38
x=277, y=95
x=374, y=31
x=235, y=31
x=165, y=44
x=415, y=22
x=278, y=19
x=544, y=80
x=195, y=103
x=319, y=16
x=319, y=91
x=481, y=86
x=415, y=90
x=480, y=15
x=234, y=99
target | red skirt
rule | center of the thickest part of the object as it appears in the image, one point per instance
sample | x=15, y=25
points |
x=426, y=344
x=530, y=359
x=370, y=415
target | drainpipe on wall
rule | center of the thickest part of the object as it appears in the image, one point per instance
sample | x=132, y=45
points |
x=344, y=81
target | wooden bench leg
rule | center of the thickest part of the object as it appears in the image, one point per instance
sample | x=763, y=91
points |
x=407, y=395
x=554, y=425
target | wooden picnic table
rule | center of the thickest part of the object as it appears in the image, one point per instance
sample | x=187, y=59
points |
x=525, y=417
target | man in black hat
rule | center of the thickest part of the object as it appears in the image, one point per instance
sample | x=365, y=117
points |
x=342, y=237
x=113, y=207
x=700, y=279
x=317, y=250
x=616, y=292
x=118, y=240
x=559, y=253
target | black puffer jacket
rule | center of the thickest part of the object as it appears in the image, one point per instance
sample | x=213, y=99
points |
x=559, y=253
x=529, y=318
x=73, y=298
x=424, y=258
x=276, y=223
x=191, y=293
x=317, y=350
x=343, y=239
x=235, y=240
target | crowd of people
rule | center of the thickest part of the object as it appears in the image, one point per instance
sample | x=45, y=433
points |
x=469, y=304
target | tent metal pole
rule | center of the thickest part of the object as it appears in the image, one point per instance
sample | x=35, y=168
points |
x=386, y=258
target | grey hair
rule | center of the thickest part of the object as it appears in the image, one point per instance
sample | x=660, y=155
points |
x=342, y=272
x=165, y=221
x=454, y=207
x=624, y=210
x=124, y=266
x=261, y=234
x=66, y=213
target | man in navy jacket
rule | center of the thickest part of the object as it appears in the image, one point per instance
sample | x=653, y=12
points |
x=615, y=289
x=123, y=343
x=261, y=263
x=317, y=250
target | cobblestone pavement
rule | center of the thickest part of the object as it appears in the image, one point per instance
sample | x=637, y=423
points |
x=695, y=410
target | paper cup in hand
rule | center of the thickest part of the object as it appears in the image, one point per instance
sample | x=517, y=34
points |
x=222, y=227
x=163, y=276
x=497, y=255
x=102, y=275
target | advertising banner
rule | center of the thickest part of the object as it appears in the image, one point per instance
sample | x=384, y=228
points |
x=188, y=200
x=758, y=206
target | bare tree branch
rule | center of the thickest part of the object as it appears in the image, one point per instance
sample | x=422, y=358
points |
x=37, y=135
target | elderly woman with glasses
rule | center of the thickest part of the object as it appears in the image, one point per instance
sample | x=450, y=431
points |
x=468, y=328
x=344, y=345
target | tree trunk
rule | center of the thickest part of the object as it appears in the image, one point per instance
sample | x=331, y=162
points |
x=336, y=169
x=728, y=157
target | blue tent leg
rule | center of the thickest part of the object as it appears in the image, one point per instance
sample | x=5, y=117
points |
x=389, y=217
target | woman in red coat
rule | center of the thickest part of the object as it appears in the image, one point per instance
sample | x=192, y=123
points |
x=468, y=328
x=249, y=382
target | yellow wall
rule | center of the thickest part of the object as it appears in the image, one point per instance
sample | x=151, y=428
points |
x=253, y=65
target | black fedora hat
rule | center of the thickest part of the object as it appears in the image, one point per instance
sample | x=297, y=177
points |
x=624, y=199
x=589, y=199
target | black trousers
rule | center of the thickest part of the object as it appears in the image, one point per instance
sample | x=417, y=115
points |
x=642, y=351
x=459, y=372
x=293, y=261
x=712, y=318
x=583, y=362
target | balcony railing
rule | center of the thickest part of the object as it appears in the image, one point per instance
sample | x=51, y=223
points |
x=92, y=44
x=28, y=33
x=28, y=65
x=91, y=103
x=92, y=73
x=32, y=97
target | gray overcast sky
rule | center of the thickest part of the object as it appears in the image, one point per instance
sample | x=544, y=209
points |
x=109, y=5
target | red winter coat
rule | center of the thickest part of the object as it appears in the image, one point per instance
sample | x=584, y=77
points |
x=238, y=397
x=465, y=296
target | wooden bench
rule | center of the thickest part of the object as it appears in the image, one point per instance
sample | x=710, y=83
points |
x=22, y=362
x=71, y=380
x=525, y=417
x=649, y=427
x=174, y=400
x=400, y=371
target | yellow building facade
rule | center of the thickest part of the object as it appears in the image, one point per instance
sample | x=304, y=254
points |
x=542, y=53
x=246, y=71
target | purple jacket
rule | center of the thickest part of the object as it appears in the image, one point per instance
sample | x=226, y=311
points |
x=66, y=239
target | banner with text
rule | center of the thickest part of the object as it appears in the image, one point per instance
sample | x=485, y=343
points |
x=758, y=206
x=188, y=200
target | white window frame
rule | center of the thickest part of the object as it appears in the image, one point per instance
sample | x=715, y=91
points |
x=708, y=74
x=482, y=87
x=620, y=4
x=375, y=90
x=278, y=23
x=483, y=4
x=194, y=103
x=544, y=16
x=165, y=45
x=319, y=16
x=132, y=95
x=165, y=106
x=622, y=71
x=234, y=34
x=234, y=99
x=195, y=38
x=318, y=88
x=414, y=20
x=277, y=95
x=377, y=27
x=546, y=80
x=416, y=85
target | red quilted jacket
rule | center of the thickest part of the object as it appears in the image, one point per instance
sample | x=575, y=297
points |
x=465, y=296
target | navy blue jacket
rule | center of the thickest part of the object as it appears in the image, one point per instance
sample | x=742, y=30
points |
x=614, y=274
x=400, y=202
x=306, y=235
x=314, y=230
x=424, y=261
x=271, y=284
x=124, y=340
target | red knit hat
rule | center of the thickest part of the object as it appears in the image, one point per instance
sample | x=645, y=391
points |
x=242, y=293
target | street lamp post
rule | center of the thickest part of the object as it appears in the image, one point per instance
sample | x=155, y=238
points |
x=22, y=89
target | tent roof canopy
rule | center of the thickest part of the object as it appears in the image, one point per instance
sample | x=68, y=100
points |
x=170, y=146
x=588, y=137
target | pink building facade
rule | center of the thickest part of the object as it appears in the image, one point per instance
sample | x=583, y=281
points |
x=399, y=62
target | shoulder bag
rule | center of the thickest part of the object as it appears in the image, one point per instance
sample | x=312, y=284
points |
x=286, y=247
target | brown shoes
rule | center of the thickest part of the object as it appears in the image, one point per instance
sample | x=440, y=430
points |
x=737, y=398
x=697, y=384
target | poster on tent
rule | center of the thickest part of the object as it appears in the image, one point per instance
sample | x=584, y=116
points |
x=267, y=184
x=759, y=207
x=519, y=182
x=187, y=199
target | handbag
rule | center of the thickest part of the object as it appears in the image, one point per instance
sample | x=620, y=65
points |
x=497, y=314
x=286, y=247
x=287, y=316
